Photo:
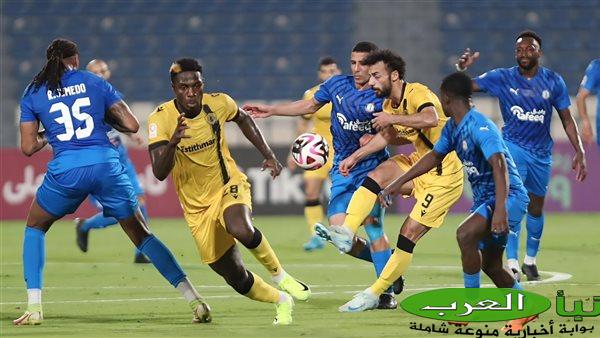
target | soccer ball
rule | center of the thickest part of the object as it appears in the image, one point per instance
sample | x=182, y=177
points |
x=310, y=151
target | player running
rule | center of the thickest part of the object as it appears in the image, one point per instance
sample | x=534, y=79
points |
x=499, y=198
x=186, y=137
x=590, y=84
x=354, y=103
x=314, y=180
x=527, y=93
x=413, y=113
x=99, y=221
x=77, y=109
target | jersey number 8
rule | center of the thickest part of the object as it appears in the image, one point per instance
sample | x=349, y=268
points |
x=66, y=119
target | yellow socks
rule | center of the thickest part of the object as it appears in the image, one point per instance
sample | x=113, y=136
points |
x=262, y=291
x=361, y=204
x=395, y=266
x=261, y=249
x=313, y=212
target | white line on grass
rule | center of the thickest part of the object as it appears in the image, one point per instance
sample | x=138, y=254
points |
x=555, y=277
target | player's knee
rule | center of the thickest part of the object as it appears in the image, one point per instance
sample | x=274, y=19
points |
x=374, y=230
x=251, y=239
x=535, y=207
x=241, y=231
x=464, y=237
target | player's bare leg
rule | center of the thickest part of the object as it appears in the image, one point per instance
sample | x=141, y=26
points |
x=231, y=268
x=238, y=223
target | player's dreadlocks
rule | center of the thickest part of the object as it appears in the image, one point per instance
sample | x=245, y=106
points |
x=54, y=68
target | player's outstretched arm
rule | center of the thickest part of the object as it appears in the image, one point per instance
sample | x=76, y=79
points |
x=500, y=173
x=162, y=154
x=296, y=108
x=255, y=136
x=587, y=132
x=32, y=140
x=426, y=118
x=431, y=160
x=468, y=58
x=121, y=118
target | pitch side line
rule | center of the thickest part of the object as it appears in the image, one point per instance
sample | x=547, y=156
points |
x=556, y=277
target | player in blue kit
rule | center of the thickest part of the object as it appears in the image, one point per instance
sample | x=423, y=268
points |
x=589, y=85
x=527, y=93
x=77, y=109
x=99, y=221
x=499, y=197
x=354, y=103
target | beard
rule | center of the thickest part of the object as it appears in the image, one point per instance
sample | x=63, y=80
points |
x=383, y=92
x=532, y=62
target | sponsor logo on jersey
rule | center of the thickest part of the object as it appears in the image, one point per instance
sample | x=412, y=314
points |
x=532, y=116
x=196, y=147
x=356, y=125
x=370, y=107
x=546, y=94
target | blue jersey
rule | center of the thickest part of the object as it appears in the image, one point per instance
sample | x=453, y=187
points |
x=591, y=82
x=475, y=140
x=73, y=117
x=526, y=105
x=351, y=115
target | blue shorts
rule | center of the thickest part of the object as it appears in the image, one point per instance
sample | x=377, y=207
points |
x=61, y=194
x=131, y=173
x=343, y=187
x=516, y=207
x=535, y=171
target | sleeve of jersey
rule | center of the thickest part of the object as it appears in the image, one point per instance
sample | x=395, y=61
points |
x=307, y=96
x=27, y=113
x=444, y=144
x=421, y=98
x=561, y=97
x=231, y=108
x=111, y=95
x=323, y=95
x=157, y=129
x=592, y=77
x=489, y=81
x=489, y=140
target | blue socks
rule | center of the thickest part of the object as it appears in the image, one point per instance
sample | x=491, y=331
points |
x=34, y=257
x=535, y=227
x=472, y=281
x=162, y=259
x=512, y=244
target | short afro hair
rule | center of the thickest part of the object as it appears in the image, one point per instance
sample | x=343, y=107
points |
x=393, y=62
x=365, y=47
x=326, y=61
x=530, y=34
x=457, y=85
x=184, y=65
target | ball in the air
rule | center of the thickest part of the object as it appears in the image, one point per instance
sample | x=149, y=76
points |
x=310, y=151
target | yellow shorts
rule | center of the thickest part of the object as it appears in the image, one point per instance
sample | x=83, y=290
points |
x=208, y=227
x=435, y=194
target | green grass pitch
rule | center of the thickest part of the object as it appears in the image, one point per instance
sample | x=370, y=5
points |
x=103, y=294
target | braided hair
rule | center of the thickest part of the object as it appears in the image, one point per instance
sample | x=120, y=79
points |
x=54, y=68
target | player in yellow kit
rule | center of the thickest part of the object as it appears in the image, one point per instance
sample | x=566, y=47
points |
x=414, y=114
x=186, y=137
x=314, y=180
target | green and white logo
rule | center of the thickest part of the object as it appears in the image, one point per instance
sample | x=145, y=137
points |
x=475, y=305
